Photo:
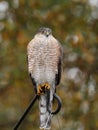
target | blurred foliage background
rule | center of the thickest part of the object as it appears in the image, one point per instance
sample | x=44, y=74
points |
x=75, y=25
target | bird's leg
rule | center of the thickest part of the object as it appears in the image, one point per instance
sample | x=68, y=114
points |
x=41, y=88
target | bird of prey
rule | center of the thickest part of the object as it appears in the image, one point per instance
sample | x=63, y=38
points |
x=44, y=66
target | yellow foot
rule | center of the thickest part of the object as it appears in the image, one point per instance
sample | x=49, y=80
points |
x=47, y=86
x=42, y=88
x=39, y=90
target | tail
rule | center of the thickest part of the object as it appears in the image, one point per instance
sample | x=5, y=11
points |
x=44, y=114
x=45, y=101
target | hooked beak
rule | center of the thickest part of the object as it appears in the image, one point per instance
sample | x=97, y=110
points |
x=47, y=34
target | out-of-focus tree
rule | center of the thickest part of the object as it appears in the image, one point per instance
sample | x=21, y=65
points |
x=75, y=24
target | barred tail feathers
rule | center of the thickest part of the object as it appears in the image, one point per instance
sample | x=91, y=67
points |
x=44, y=114
x=45, y=120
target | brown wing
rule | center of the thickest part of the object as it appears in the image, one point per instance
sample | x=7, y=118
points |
x=58, y=75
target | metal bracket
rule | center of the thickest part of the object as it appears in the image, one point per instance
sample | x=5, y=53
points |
x=58, y=101
x=32, y=103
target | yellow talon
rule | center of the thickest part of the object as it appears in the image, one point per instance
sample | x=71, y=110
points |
x=47, y=86
x=42, y=88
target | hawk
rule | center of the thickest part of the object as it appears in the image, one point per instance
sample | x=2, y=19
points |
x=44, y=66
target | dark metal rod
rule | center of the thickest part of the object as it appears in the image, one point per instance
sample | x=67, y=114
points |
x=59, y=104
x=26, y=111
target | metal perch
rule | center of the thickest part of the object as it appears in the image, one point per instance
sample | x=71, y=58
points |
x=32, y=103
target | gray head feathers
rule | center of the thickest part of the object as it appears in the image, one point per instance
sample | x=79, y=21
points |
x=45, y=31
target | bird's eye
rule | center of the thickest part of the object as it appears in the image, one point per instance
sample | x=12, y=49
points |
x=43, y=31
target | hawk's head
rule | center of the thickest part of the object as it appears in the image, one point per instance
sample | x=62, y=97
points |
x=45, y=31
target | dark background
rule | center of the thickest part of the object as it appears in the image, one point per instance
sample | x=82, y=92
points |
x=75, y=25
